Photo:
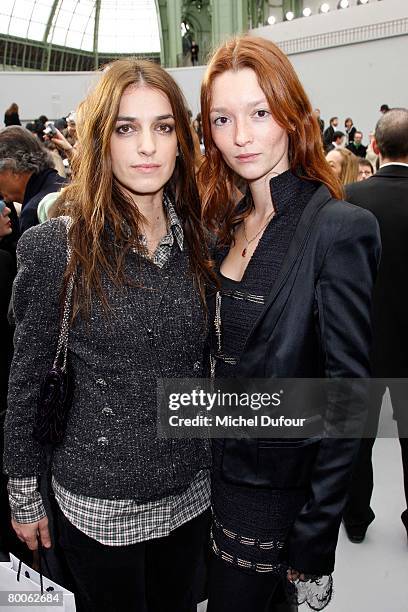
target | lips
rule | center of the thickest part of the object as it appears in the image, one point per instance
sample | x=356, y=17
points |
x=146, y=168
x=247, y=157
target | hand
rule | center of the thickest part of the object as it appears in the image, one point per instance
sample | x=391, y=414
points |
x=293, y=575
x=30, y=533
x=60, y=141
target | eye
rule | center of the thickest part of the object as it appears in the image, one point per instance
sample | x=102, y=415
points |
x=261, y=114
x=165, y=128
x=124, y=129
x=221, y=121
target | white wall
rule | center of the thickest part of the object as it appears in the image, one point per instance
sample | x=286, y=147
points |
x=55, y=94
x=355, y=80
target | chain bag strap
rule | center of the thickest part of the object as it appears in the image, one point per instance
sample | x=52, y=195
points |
x=56, y=387
x=62, y=346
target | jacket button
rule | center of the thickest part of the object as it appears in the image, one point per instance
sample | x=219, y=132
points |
x=101, y=381
x=103, y=441
x=107, y=410
x=197, y=366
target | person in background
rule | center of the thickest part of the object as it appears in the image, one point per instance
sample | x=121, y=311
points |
x=290, y=257
x=27, y=172
x=194, y=49
x=39, y=127
x=9, y=233
x=357, y=146
x=386, y=196
x=11, y=115
x=128, y=504
x=61, y=123
x=65, y=148
x=344, y=164
x=329, y=132
x=56, y=157
x=365, y=169
x=350, y=130
x=71, y=133
x=370, y=153
x=198, y=127
x=319, y=120
x=338, y=141
x=384, y=108
x=198, y=156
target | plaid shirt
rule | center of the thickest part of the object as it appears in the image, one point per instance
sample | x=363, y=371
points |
x=119, y=522
x=162, y=253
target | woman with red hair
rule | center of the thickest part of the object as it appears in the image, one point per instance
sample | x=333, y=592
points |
x=296, y=267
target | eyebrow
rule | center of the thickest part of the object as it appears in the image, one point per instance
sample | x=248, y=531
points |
x=158, y=118
x=223, y=109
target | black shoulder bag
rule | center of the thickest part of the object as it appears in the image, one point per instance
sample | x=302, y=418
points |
x=56, y=389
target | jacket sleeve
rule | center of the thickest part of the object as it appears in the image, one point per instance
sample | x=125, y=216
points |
x=41, y=263
x=344, y=294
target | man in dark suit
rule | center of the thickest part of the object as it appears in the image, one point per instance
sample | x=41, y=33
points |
x=319, y=120
x=386, y=195
x=329, y=132
x=27, y=172
x=338, y=140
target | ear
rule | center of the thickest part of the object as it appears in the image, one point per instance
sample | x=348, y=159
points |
x=375, y=147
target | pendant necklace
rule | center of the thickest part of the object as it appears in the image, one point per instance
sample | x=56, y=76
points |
x=248, y=242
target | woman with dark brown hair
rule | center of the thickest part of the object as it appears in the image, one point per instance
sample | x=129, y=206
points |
x=350, y=130
x=131, y=509
x=11, y=115
x=296, y=268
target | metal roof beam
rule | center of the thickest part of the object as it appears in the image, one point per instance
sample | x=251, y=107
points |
x=96, y=32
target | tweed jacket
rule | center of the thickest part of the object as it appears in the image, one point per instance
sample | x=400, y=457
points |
x=155, y=329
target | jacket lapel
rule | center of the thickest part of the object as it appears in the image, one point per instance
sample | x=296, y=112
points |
x=295, y=250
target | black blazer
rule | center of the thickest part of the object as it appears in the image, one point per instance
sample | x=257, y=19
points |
x=386, y=196
x=350, y=135
x=328, y=135
x=315, y=323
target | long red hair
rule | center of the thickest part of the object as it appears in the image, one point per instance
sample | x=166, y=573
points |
x=290, y=107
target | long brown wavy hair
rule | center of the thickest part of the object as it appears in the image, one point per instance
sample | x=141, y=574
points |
x=289, y=106
x=349, y=166
x=103, y=217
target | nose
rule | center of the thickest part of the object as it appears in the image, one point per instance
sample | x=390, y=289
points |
x=243, y=134
x=146, y=144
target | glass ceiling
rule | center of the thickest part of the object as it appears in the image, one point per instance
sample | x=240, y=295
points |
x=125, y=26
